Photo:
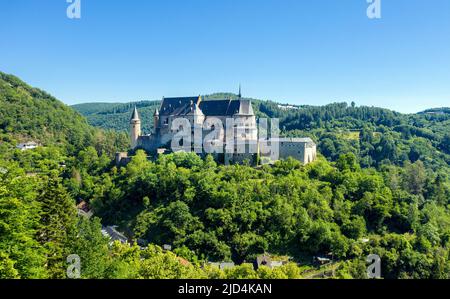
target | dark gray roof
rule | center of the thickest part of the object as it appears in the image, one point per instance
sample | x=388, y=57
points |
x=176, y=106
x=113, y=234
x=182, y=106
x=219, y=107
x=135, y=115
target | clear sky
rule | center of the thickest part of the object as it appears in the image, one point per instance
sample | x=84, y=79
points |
x=292, y=51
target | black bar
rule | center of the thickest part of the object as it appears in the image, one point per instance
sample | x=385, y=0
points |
x=226, y=288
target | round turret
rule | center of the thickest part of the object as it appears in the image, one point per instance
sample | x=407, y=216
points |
x=135, y=128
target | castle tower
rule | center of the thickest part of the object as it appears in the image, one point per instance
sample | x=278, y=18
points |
x=135, y=128
x=155, y=120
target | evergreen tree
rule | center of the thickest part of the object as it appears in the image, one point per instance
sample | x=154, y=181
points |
x=58, y=219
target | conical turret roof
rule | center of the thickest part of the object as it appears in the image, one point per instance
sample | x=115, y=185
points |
x=135, y=115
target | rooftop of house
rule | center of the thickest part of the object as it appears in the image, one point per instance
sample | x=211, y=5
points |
x=83, y=205
x=183, y=261
x=113, y=234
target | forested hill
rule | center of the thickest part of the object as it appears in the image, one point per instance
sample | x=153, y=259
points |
x=30, y=114
x=116, y=116
x=396, y=205
x=376, y=136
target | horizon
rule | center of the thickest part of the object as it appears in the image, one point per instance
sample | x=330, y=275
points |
x=252, y=98
x=296, y=52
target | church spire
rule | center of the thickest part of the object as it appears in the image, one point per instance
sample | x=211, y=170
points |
x=240, y=94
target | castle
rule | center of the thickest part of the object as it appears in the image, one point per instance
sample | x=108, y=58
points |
x=215, y=119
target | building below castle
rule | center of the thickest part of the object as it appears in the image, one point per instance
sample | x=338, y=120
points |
x=227, y=129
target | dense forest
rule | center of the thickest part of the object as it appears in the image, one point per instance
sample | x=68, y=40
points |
x=116, y=116
x=380, y=186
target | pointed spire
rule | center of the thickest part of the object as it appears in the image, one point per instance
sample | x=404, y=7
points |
x=135, y=115
x=240, y=94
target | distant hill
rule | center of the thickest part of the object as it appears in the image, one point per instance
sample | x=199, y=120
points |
x=116, y=116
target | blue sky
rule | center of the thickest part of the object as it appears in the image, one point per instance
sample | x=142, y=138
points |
x=294, y=51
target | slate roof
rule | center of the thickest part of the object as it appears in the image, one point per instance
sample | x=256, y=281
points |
x=183, y=106
x=176, y=106
x=113, y=234
x=135, y=115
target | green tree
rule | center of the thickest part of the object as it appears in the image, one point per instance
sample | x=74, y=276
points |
x=21, y=256
x=58, y=219
x=88, y=242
